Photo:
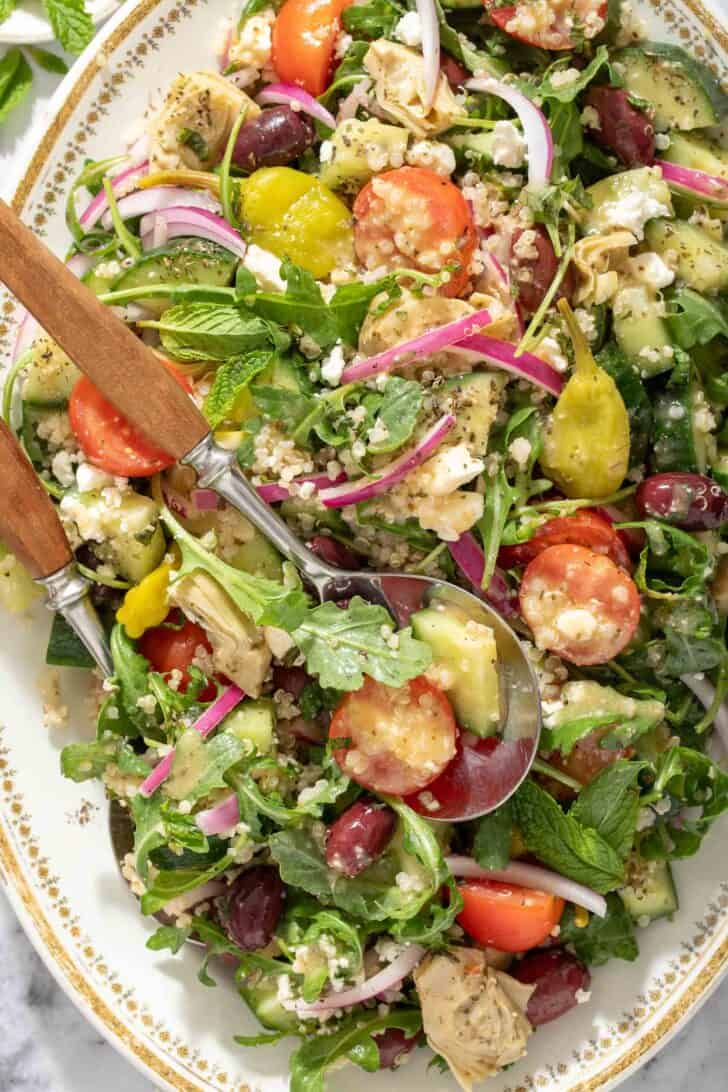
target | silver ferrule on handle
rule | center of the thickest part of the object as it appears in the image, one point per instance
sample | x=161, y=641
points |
x=217, y=469
x=67, y=592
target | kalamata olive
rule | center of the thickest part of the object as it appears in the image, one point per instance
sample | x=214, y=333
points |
x=328, y=549
x=359, y=836
x=254, y=906
x=558, y=977
x=621, y=128
x=394, y=1046
x=690, y=501
x=533, y=266
x=455, y=73
x=272, y=139
x=291, y=679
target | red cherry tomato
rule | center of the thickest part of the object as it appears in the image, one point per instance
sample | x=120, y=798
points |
x=399, y=738
x=171, y=649
x=501, y=915
x=107, y=438
x=476, y=779
x=304, y=36
x=579, y=604
x=414, y=217
x=584, y=528
x=587, y=758
x=525, y=22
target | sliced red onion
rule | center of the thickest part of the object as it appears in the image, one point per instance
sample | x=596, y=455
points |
x=122, y=183
x=468, y=556
x=690, y=181
x=221, y=818
x=430, y=47
x=142, y=202
x=502, y=354
x=383, y=980
x=204, y=725
x=183, y=902
x=205, y=500
x=297, y=98
x=536, y=129
x=271, y=492
x=159, y=233
x=201, y=222
x=365, y=488
x=705, y=693
x=139, y=151
x=533, y=876
x=423, y=345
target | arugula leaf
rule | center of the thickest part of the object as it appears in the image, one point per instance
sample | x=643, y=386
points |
x=610, y=804
x=15, y=80
x=254, y=802
x=375, y=19
x=562, y=843
x=265, y=601
x=695, y=320
x=302, y=306
x=84, y=761
x=71, y=22
x=211, y=759
x=231, y=379
x=567, y=130
x=131, y=676
x=350, y=71
x=168, y=936
x=314, y=699
x=567, y=92
x=304, y=923
x=167, y=885
x=671, y=553
x=462, y=49
x=602, y=938
x=396, y=411
x=217, y=943
x=265, y=1038
x=341, y=646
x=354, y=1040
x=148, y=830
x=350, y=302
x=492, y=842
x=49, y=62
x=214, y=331
x=281, y=404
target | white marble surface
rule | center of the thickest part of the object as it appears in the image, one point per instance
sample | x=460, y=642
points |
x=46, y=1046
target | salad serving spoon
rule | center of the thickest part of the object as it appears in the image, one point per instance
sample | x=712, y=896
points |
x=131, y=377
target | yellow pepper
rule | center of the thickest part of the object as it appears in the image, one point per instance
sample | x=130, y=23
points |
x=294, y=215
x=147, y=604
x=586, y=449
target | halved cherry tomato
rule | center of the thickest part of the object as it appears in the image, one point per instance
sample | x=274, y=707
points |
x=579, y=604
x=528, y=26
x=501, y=915
x=173, y=649
x=584, y=528
x=479, y=775
x=304, y=36
x=107, y=438
x=399, y=738
x=587, y=758
x=414, y=217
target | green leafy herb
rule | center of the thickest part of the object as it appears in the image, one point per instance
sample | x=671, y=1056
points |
x=227, y=190
x=196, y=142
x=217, y=943
x=15, y=80
x=395, y=411
x=562, y=843
x=695, y=320
x=375, y=19
x=213, y=331
x=231, y=379
x=602, y=939
x=7, y=7
x=302, y=305
x=673, y=564
x=567, y=92
x=492, y=842
x=126, y=238
x=84, y=761
x=168, y=936
x=211, y=759
x=148, y=830
x=265, y=1038
x=49, y=62
x=567, y=130
x=71, y=22
x=341, y=646
x=167, y=885
x=131, y=671
x=610, y=803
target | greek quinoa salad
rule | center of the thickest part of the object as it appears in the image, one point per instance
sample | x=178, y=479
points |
x=452, y=282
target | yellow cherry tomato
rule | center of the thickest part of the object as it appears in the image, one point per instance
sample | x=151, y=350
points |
x=147, y=604
x=294, y=215
x=586, y=448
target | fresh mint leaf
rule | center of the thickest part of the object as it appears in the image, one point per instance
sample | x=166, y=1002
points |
x=167, y=885
x=214, y=331
x=168, y=936
x=492, y=842
x=266, y=602
x=15, y=80
x=302, y=306
x=341, y=646
x=71, y=22
x=563, y=844
x=610, y=804
x=602, y=939
x=231, y=379
x=49, y=62
x=695, y=320
x=396, y=411
x=353, y=1040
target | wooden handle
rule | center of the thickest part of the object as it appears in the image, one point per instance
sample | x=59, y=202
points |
x=29, y=525
x=118, y=363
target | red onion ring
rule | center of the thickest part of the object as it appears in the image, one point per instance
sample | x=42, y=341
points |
x=201, y=222
x=383, y=980
x=430, y=48
x=221, y=818
x=502, y=354
x=271, y=492
x=296, y=97
x=142, y=202
x=689, y=181
x=536, y=129
x=533, y=876
x=121, y=184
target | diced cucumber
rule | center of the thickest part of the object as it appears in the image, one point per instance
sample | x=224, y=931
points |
x=361, y=148
x=702, y=261
x=259, y=557
x=262, y=999
x=474, y=399
x=641, y=330
x=65, y=648
x=253, y=720
x=135, y=556
x=283, y=373
x=127, y=534
x=617, y=201
x=473, y=150
x=467, y=651
x=651, y=893
x=682, y=91
x=626, y=375
x=50, y=376
x=698, y=152
x=678, y=444
x=182, y=261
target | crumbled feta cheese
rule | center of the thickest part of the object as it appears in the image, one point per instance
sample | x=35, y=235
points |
x=550, y=351
x=433, y=155
x=509, y=145
x=253, y=47
x=649, y=269
x=326, y=151
x=90, y=478
x=590, y=118
x=408, y=884
x=587, y=323
x=662, y=141
x=333, y=365
x=519, y=450
x=343, y=42
x=147, y=703
x=582, y=996
x=450, y=468
x=265, y=267
x=632, y=212
x=62, y=467
x=564, y=76
x=409, y=29
x=378, y=433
